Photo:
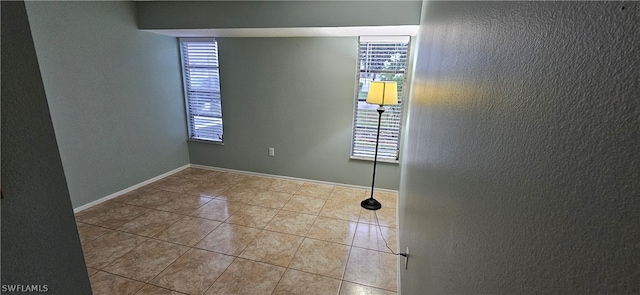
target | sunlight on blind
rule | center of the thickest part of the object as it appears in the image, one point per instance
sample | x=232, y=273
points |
x=379, y=61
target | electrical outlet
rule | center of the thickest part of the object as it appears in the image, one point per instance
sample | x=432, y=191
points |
x=272, y=152
x=406, y=259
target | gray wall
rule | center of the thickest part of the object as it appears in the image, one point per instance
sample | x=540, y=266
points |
x=274, y=14
x=40, y=244
x=521, y=166
x=296, y=95
x=114, y=92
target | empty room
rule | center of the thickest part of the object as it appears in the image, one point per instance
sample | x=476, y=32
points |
x=320, y=147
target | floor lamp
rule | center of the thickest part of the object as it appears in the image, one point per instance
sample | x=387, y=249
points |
x=382, y=94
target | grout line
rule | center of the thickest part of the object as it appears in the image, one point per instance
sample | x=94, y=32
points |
x=351, y=246
x=170, y=264
x=263, y=230
x=223, y=272
x=346, y=266
x=235, y=257
x=118, y=275
x=164, y=288
x=304, y=238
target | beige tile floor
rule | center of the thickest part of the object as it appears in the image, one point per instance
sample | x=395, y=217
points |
x=211, y=232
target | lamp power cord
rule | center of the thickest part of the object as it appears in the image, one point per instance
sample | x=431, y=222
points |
x=385, y=240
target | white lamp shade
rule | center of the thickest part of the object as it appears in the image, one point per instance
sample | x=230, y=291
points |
x=383, y=93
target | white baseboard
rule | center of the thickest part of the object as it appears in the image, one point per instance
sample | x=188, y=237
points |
x=288, y=178
x=126, y=190
x=148, y=181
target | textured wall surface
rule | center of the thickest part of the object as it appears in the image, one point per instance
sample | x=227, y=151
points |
x=40, y=244
x=521, y=171
x=274, y=14
x=114, y=92
x=296, y=95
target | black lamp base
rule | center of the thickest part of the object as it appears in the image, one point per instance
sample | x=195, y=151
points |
x=371, y=204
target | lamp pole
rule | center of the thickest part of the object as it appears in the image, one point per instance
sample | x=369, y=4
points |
x=371, y=203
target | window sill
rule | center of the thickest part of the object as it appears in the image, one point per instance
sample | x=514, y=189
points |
x=371, y=160
x=205, y=141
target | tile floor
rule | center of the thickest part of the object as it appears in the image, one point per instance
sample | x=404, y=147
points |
x=211, y=232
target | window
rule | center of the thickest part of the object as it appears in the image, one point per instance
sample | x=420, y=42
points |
x=380, y=59
x=201, y=80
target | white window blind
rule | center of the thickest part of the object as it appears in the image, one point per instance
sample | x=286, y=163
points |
x=380, y=59
x=202, y=88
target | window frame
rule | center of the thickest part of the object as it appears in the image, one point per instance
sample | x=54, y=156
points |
x=187, y=100
x=404, y=88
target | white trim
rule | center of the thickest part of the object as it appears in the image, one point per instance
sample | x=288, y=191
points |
x=354, y=31
x=196, y=39
x=386, y=39
x=288, y=178
x=148, y=181
x=371, y=160
x=131, y=188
